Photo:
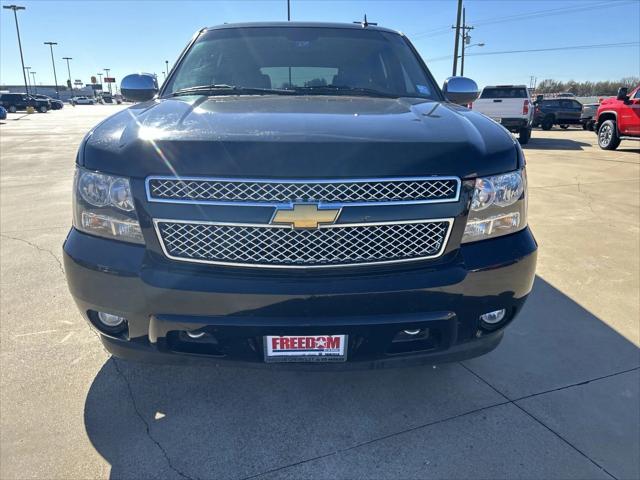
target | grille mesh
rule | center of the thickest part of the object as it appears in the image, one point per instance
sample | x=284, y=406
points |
x=279, y=192
x=265, y=246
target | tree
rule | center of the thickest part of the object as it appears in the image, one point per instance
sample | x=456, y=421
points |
x=587, y=88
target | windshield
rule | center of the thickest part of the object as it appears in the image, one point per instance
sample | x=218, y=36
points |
x=303, y=60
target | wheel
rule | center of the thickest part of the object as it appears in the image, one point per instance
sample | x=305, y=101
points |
x=584, y=126
x=12, y=109
x=42, y=109
x=564, y=127
x=547, y=123
x=608, y=138
x=524, y=136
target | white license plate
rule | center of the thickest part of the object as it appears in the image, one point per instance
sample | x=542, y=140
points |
x=305, y=348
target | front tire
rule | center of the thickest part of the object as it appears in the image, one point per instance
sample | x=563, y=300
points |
x=42, y=109
x=524, y=136
x=564, y=127
x=12, y=109
x=608, y=138
x=547, y=123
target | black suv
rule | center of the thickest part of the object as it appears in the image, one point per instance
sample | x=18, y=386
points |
x=55, y=104
x=300, y=192
x=557, y=111
x=20, y=101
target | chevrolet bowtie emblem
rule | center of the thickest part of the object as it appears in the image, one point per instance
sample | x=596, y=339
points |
x=305, y=216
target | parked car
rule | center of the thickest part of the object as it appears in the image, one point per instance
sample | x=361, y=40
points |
x=557, y=111
x=83, y=101
x=55, y=104
x=587, y=116
x=351, y=212
x=510, y=106
x=3, y=113
x=618, y=118
x=21, y=101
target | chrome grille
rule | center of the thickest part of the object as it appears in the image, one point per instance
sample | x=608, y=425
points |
x=270, y=246
x=435, y=189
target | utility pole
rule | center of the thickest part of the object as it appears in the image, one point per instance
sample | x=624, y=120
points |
x=455, y=48
x=15, y=8
x=28, y=78
x=69, y=84
x=55, y=77
x=108, y=70
x=288, y=10
x=466, y=39
x=35, y=86
x=166, y=62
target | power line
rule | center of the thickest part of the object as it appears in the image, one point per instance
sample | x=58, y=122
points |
x=550, y=49
x=523, y=16
x=551, y=12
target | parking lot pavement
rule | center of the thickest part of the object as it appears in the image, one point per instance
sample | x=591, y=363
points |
x=558, y=399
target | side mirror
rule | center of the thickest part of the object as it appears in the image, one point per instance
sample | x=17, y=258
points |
x=460, y=90
x=622, y=94
x=139, y=87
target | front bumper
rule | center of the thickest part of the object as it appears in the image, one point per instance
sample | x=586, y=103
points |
x=236, y=307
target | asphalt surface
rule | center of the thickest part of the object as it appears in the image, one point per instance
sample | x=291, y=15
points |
x=558, y=399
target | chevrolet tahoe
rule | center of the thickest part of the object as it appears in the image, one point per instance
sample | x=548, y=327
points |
x=299, y=193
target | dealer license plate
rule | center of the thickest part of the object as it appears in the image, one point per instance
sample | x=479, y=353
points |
x=305, y=348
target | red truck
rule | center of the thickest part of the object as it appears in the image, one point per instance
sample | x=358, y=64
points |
x=618, y=119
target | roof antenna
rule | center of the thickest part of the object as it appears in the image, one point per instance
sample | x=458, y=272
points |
x=366, y=23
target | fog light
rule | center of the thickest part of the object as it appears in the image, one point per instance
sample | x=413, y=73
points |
x=195, y=334
x=412, y=332
x=110, y=320
x=491, y=318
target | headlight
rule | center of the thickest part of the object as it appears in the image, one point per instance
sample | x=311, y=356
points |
x=498, y=206
x=103, y=206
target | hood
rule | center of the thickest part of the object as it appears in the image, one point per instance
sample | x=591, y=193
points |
x=298, y=137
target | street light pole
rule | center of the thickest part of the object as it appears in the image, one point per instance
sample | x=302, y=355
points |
x=55, y=77
x=35, y=86
x=108, y=70
x=462, y=64
x=288, y=10
x=455, y=48
x=69, y=84
x=15, y=8
x=166, y=62
x=100, y=75
x=28, y=78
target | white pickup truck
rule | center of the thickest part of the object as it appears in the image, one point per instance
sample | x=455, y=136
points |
x=510, y=106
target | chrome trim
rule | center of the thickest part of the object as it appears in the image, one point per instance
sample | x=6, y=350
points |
x=156, y=221
x=289, y=205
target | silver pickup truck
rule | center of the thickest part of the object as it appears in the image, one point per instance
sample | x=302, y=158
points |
x=510, y=106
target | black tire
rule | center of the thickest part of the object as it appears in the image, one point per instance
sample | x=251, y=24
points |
x=12, y=109
x=584, y=126
x=547, y=123
x=42, y=109
x=564, y=127
x=608, y=138
x=524, y=136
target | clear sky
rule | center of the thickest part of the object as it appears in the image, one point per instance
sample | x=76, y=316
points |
x=131, y=36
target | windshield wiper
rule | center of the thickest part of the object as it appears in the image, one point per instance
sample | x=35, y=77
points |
x=345, y=90
x=223, y=88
